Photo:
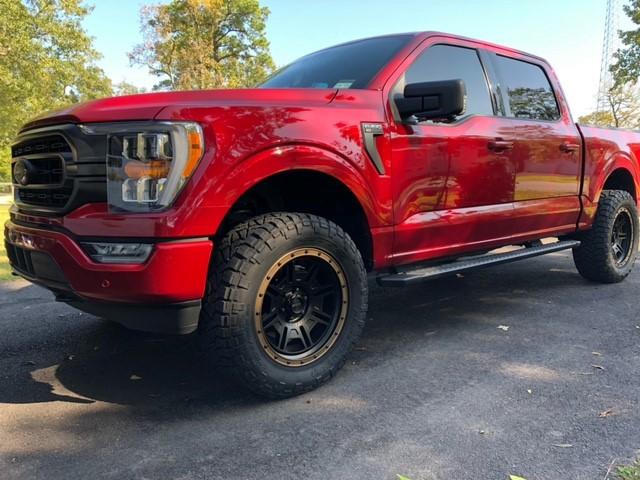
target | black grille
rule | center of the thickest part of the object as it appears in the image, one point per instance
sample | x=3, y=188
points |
x=45, y=170
x=37, y=265
x=66, y=169
x=57, y=198
x=20, y=259
x=40, y=145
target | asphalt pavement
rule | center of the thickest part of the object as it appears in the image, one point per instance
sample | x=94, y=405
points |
x=523, y=369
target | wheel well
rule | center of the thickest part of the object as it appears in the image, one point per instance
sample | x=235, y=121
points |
x=306, y=191
x=621, y=179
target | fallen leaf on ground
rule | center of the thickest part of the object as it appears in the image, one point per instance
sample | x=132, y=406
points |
x=563, y=445
x=503, y=327
x=599, y=367
x=515, y=477
x=402, y=477
x=606, y=413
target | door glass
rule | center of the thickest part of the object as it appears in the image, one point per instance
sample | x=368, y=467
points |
x=446, y=62
x=528, y=89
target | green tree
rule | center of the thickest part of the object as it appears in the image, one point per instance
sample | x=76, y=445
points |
x=126, y=88
x=533, y=103
x=197, y=44
x=626, y=69
x=623, y=109
x=46, y=61
x=597, y=119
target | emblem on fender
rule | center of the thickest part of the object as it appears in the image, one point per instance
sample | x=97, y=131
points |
x=370, y=131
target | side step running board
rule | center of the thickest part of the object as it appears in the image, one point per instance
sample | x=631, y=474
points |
x=410, y=277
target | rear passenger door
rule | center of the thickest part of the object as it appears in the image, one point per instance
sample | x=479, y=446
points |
x=546, y=146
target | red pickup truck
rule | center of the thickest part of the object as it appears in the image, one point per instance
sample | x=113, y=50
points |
x=254, y=216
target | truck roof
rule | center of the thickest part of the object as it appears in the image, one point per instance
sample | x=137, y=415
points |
x=420, y=36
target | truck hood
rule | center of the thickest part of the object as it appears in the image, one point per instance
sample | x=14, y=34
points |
x=148, y=105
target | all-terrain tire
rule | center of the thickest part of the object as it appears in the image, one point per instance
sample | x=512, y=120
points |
x=229, y=334
x=596, y=257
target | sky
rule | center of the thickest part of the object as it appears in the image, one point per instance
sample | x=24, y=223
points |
x=568, y=33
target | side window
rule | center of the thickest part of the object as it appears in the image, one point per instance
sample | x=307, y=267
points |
x=529, y=92
x=446, y=62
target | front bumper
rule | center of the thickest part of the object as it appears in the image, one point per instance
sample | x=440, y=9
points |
x=170, y=284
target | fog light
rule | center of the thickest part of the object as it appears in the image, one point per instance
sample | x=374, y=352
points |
x=118, y=252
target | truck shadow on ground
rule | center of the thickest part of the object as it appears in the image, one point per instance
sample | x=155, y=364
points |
x=111, y=364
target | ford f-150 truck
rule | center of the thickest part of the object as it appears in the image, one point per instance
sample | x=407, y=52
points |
x=255, y=216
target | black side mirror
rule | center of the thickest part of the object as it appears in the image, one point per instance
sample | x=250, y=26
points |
x=432, y=100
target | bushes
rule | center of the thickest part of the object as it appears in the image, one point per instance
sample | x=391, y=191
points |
x=5, y=166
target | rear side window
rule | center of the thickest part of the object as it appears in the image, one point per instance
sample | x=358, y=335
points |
x=446, y=62
x=528, y=90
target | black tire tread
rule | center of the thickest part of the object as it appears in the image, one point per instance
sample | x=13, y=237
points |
x=592, y=257
x=221, y=335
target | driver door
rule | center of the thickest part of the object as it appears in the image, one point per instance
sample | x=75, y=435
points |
x=453, y=182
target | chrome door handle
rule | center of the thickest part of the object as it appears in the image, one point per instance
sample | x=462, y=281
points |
x=499, y=145
x=567, y=147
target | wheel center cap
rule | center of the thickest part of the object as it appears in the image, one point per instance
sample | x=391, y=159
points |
x=296, y=304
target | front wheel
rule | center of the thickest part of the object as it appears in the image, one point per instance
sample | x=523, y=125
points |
x=286, y=301
x=608, y=251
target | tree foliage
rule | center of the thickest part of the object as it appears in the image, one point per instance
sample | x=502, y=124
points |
x=197, y=44
x=126, y=88
x=623, y=109
x=533, y=103
x=597, y=119
x=46, y=61
x=626, y=69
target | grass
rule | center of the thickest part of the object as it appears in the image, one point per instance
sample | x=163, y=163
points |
x=630, y=472
x=5, y=270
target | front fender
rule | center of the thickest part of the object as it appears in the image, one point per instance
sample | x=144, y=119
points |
x=267, y=163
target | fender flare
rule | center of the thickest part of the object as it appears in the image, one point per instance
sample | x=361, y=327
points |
x=617, y=161
x=275, y=160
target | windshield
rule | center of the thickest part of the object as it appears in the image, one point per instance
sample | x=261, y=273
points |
x=352, y=65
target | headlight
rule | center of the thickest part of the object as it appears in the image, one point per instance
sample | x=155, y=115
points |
x=148, y=163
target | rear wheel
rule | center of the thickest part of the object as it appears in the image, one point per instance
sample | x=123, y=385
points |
x=608, y=251
x=286, y=301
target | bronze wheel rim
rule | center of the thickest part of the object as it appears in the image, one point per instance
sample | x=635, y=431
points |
x=301, y=307
x=622, y=238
